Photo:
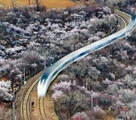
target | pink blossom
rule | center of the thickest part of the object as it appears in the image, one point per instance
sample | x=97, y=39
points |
x=57, y=94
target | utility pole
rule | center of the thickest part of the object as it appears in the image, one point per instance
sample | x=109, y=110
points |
x=13, y=107
x=86, y=84
x=92, y=102
x=24, y=76
x=91, y=96
x=13, y=102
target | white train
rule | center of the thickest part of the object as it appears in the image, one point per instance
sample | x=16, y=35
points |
x=61, y=64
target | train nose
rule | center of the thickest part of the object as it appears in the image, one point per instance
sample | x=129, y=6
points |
x=42, y=89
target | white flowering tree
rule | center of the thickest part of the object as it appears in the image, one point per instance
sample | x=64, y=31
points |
x=69, y=98
x=4, y=89
x=80, y=116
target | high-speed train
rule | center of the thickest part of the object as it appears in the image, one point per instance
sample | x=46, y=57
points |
x=61, y=64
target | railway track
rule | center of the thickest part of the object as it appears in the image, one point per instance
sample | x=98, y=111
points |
x=41, y=109
x=125, y=18
x=26, y=102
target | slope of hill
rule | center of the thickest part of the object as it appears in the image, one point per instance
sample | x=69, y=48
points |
x=48, y=3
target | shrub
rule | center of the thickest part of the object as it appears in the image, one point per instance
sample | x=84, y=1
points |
x=80, y=116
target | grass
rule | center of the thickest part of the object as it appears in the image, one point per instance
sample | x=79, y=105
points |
x=58, y=4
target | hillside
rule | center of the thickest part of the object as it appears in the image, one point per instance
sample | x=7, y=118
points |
x=48, y=3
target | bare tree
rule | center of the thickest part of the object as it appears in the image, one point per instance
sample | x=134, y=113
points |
x=13, y=3
x=29, y=2
x=38, y=3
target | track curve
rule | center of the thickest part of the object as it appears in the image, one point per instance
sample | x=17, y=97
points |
x=42, y=107
x=57, y=67
x=25, y=104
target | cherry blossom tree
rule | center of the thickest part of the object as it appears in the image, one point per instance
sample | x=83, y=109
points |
x=69, y=98
x=4, y=89
x=80, y=116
